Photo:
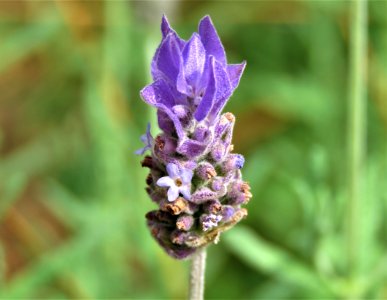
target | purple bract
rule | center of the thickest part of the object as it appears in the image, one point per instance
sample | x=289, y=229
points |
x=193, y=78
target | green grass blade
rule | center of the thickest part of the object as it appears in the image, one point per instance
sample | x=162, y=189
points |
x=269, y=259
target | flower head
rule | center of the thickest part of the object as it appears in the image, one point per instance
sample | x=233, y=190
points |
x=178, y=181
x=194, y=177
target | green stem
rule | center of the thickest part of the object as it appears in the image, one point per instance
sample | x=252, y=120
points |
x=357, y=127
x=198, y=267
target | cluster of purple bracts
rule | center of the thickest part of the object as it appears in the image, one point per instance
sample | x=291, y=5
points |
x=194, y=177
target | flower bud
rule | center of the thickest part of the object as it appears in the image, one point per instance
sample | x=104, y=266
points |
x=212, y=206
x=233, y=161
x=185, y=222
x=240, y=193
x=217, y=184
x=203, y=195
x=165, y=144
x=180, y=205
x=205, y=171
x=219, y=152
x=179, y=237
x=227, y=212
x=226, y=123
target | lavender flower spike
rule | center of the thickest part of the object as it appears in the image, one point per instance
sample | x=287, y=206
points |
x=194, y=178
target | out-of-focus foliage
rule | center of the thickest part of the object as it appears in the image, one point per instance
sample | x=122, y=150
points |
x=72, y=199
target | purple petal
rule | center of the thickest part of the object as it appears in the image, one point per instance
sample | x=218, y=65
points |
x=235, y=73
x=148, y=128
x=208, y=97
x=165, y=122
x=172, y=170
x=166, y=29
x=223, y=90
x=181, y=82
x=174, y=119
x=169, y=121
x=141, y=151
x=194, y=56
x=203, y=82
x=201, y=133
x=148, y=134
x=186, y=192
x=154, y=70
x=211, y=41
x=181, y=111
x=167, y=62
x=173, y=193
x=144, y=139
x=157, y=93
x=186, y=176
x=165, y=181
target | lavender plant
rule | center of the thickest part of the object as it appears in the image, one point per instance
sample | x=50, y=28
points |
x=194, y=178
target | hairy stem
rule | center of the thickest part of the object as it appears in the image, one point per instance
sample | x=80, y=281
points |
x=198, y=267
x=357, y=127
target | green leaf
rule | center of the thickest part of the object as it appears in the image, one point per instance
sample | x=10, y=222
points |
x=267, y=258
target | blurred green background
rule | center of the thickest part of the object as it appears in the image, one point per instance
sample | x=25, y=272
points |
x=72, y=199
